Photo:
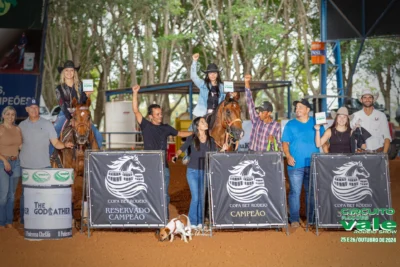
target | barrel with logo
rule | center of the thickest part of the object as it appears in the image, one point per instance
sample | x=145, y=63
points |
x=47, y=203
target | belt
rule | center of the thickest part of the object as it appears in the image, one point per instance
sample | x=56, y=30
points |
x=12, y=158
x=370, y=150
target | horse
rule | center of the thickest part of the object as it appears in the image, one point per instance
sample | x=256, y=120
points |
x=226, y=124
x=82, y=136
x=248, y=168
x=352, y=169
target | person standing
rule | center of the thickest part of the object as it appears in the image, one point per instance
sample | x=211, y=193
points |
x=264, y=129
x=69, y=88
x=36, y=135
x=200, y=142
x=374, y=121
x=10, y=170
x=339, y=134
x=155, y=133
x=298, y=145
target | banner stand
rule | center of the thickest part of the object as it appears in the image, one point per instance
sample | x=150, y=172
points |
x=351, y=182
x=124, y=189
x=236, y=198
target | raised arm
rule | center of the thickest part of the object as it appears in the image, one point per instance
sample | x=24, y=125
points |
x=193, y=72
x=320, y=141
x=249, y=98
x=135, y=105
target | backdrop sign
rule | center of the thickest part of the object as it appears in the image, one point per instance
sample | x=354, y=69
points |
x=126, y=189
x=247, y=190
x=22, y=14
x=16, y=90
x=354, y=184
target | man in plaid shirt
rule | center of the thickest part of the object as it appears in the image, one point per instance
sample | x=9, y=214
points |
x=265, y=131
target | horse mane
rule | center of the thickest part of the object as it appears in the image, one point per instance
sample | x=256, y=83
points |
x=214, y=114
x=117, y=164
x=238, y=169
x=346, y=167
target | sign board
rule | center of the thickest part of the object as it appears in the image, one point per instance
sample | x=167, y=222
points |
x=87, y=85
x=320, y=118
x=350, y=182
x=247, y=190
x=228, y=87
x=126, y=189
x=16, y=90
x=29, y=61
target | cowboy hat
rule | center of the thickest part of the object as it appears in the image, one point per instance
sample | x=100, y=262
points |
x=341, y=111
x=211, y=68
x=367, y=91
x=68, y=64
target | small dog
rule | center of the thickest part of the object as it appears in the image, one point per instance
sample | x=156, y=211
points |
x=180, y=225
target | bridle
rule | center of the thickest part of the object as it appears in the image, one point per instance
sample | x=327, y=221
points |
x=228, y=130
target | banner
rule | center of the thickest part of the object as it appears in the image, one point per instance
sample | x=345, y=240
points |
x=126, y=189
x=247, y=190
x=48, y=213
x=22, y=14
x=16, y=90
x=350, y=187
x=47, y=177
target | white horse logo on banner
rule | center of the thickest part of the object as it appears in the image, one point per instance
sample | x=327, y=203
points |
x=125, y=179
x=243, y=186
x=347, y=186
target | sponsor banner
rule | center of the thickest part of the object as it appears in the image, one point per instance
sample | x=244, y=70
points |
x=126, y=188
x=22, y=14
x=48, y=233
x=47, y=177
x=247, y=190
x=16, y=90
x=47, y=212
x=350, y=187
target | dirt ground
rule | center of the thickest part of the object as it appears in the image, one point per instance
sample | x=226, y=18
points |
x=224, y=248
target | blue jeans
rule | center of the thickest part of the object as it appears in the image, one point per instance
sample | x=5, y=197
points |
x=8, y=186
x=195, y=180
x=297, y=178
x=58, y=124
x=166, y=184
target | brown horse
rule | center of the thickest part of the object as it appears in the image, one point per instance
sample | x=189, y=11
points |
x=226, y=124
x=82, y=136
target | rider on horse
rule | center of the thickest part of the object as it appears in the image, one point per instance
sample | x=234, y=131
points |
x=69, y=88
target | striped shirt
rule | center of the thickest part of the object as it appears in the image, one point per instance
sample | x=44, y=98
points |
x=260, y=130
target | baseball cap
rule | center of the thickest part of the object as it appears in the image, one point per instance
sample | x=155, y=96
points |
x=266, y=106
x=31, y=102
x=302, y=101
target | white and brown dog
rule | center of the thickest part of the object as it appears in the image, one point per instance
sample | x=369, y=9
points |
x=177, y=226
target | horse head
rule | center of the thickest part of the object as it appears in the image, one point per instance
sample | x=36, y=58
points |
x=230, y=112
x=82, y=127
x=132, y=163
x=360, y=170
x=256, y=169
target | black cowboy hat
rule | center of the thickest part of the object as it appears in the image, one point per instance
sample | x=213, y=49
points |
x=68, y=64
x=212, y=68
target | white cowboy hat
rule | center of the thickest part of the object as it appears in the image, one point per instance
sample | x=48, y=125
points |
x=341, y=111
x=367, y=91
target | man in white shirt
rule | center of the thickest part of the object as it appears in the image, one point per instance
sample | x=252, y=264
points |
x=374, y=121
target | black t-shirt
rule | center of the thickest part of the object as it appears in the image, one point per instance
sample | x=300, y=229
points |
x=155, y=137
x=197, y=158
x=212, y=100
